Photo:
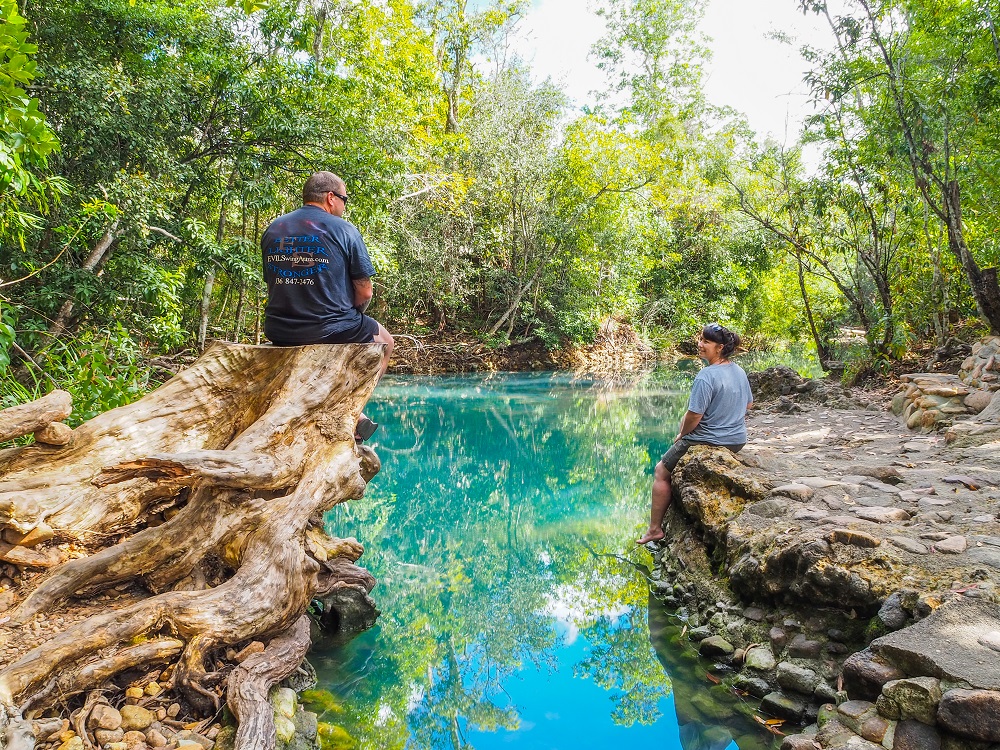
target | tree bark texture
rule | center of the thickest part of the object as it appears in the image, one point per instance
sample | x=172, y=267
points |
x=209, y=494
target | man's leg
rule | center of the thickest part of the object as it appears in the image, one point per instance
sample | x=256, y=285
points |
x=384, y=337
x=660, y=503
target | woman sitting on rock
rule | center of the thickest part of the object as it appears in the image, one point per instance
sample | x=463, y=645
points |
x=716, y=415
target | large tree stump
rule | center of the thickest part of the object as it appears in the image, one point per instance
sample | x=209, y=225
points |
x=196, y=513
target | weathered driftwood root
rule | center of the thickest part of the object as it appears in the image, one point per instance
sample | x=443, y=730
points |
x=242, y=453
x=25, y=419
x=250, y=682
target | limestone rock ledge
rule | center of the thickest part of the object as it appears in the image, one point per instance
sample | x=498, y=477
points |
x=798, y=603
x=774, y=545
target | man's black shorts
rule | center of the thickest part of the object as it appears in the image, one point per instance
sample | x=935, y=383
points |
x=363, y=333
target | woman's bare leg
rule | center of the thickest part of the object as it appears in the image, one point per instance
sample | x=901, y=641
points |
x=660, y=503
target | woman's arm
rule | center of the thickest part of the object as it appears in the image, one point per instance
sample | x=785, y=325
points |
x=690, y=421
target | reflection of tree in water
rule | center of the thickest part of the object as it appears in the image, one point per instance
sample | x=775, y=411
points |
x=485, y=493
x=621, y=659
x=708, y=715
x=460, y=695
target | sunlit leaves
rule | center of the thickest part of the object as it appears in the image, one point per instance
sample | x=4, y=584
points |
x=26, y=141
x=248, y=6
x=653, y=54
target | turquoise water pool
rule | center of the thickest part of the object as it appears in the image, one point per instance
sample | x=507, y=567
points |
x=515, y=604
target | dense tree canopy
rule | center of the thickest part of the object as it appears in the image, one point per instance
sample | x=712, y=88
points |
x=147, y=144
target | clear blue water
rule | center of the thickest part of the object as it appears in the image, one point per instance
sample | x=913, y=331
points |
x=515, y=603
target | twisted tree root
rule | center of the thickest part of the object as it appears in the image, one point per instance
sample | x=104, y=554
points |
x=251, y=445
x=250, y=682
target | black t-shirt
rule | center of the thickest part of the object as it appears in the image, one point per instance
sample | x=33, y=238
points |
x=310, y=259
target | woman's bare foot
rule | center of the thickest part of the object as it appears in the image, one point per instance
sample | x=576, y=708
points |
x=651, y=536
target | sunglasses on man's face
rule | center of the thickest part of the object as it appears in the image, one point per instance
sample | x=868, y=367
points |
x=342, y=197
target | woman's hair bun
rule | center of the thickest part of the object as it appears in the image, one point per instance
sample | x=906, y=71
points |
x=718, y=333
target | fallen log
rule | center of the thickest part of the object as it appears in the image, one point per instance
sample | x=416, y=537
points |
x=189, y=524
x=24, y=419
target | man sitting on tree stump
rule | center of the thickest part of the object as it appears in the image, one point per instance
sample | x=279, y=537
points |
x=318, y=276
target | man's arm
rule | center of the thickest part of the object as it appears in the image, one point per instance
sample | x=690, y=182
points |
x=362, y=293
x=690, y=421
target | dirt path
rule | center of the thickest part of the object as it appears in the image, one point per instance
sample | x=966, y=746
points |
x=863, y=469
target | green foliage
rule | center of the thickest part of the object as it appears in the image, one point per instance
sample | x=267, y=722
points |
x=8, y=335
x=101, y=369
x=26, y=141
x=654, y=53
x=490, y=205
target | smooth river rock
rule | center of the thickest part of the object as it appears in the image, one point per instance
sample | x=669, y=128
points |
x=798, y=679
x=953, y=545
x=760, y=658
x=804, y=648
x=892, y=613
x=794, y=490
x=104, y=716
x=755, y=686
x=817, y=483
x=715, y=646
x=854, y=538
x=799, y=742
x=909, y=545
x=913, y=735
x=783, y=706
x=883, y=514
x=865, y=674
x=135, y=718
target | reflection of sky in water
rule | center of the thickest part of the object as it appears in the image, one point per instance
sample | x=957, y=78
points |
x=575, y=713
x=514, y=602
x=568, y=605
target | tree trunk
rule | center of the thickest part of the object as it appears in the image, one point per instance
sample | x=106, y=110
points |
x=822, y=350
x=206, y=306
x=240, y=302
x=512, y=309
x=939, y=291
x=95, y=258
x=219, y=478
x=982, y=280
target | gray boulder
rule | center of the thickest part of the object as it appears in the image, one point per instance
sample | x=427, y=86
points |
x=971, y=713
x=797, y=679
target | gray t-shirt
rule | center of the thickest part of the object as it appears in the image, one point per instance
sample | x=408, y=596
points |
x=721, y=393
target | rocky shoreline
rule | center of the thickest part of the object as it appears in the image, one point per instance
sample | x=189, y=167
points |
x=825, y=568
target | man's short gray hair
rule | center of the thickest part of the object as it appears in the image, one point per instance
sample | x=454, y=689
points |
x=321, y=183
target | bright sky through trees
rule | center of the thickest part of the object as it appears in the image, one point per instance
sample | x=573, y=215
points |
x=751, y=70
